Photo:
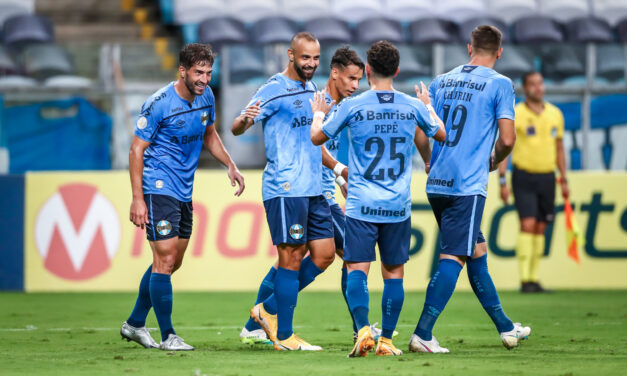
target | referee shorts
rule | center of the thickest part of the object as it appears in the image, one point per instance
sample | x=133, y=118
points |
x=534, y=194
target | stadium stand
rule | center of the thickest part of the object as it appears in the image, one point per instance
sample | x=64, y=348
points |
x=409, y=10
x=355, y=11
x=373, y=29
x=306, y=10
x=23, y=29
x=329, y=30
x=253, y=10
x=10, y=8
x=466, y=27
x=611, y=10
x=511, y=10
x=43, y=61
x=222, y=30
x=432, y=30
x=564, y=10
x=589, y=30
x=273, y=30
x=460, y=10
x=537, y=29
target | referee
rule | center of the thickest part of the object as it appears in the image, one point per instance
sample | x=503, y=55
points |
x=539, y=149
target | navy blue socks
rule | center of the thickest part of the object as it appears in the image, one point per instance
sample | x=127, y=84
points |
x=358, y=298
x=161, y=297
x=391, y=304
x=143, y=303
x=286, y=293
x=484, y=289
x=265, y=290
x=307, y=274
x=439, y=292
x=344, y=283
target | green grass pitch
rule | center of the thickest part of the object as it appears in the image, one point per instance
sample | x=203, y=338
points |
x=573, y=333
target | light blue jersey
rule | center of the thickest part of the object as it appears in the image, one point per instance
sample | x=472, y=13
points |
x=294, y=164
x=328, y=177
x=175, y=129
x=469, y=100
x=381, y=128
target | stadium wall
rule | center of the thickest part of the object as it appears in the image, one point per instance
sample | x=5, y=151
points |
x=77, y=236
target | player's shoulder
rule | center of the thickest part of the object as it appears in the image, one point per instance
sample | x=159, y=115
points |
x=273, y=85
x=553, y=109
x=354, y=100
x=499, y=79
x=158, y=100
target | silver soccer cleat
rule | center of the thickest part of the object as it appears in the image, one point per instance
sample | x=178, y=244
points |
x=139, y=335
x=175, y=343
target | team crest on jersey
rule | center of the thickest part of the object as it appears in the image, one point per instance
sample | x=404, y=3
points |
x=531, y=130
x=554, y=132
x=164, y=227
x=385, y=97
x=159, y=184
x=329, y=195
x=142, y=122
x=204, y=118
x=297, y=231
x=286, y=187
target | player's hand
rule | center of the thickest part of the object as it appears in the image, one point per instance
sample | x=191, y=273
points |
x=319, y=103
x=565, y=190
x=139, y=213
x=345, y=173
x=427, y=167
x=504, y=194
x=236, y=177
x=493, y=164
x=344, y=190
x=252, y=111
x=422, y=93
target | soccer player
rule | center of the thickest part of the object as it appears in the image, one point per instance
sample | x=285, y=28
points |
x=382, y=124
x=539, y=150
x=346, y=72
x=174, y=124
x=474, y=102
x=298, y=215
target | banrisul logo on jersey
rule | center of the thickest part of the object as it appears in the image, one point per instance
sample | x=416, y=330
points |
x=77, y=232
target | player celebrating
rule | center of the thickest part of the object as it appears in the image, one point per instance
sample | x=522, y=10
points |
x=173, y=125
x=298, y=215
x=346, y=71
x=474, y=102
x=382, y=123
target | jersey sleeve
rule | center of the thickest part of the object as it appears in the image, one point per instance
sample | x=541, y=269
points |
x=433, y=87
x=504, y=100
x=337, y=120
x=424, y=120
x=212, y=111
x=150, y=118
x=266, y=96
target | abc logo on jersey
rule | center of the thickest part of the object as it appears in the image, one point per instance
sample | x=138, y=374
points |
x=77, y=232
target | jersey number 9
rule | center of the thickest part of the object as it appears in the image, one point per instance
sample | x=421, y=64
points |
x=459, y=113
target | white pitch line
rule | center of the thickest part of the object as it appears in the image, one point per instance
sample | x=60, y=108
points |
x=32, y=328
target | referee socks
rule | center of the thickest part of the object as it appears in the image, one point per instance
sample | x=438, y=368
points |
x=484, y=289
x=439, y=292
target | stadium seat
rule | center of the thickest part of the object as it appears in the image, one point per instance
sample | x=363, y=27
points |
x=466, y=27
x=537, y=29
x=621, y=30
x=219, y=31
x=329, y=30
x=460, y=10
x=10, y=8
x=7, y=64
x=564, y=61
x=273, y=30
x=46, y=60
x=24, y=29
x=593, y=30
x=408, y=10
x=411, y=67
x=432, y=30
x=194, y=11
x=252, y=10
x=610, y=10
x=375, y=29
x=512, y=10
x=306, y=10
x=515, y=61
x=611, y=61
x=245, y=63
x=17, y=82
x=68, y=82
x=455, y=55
x=355, y=11
x=565, y=10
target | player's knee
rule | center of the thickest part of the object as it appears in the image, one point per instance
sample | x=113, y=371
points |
x=165, y=263
x=324, y=261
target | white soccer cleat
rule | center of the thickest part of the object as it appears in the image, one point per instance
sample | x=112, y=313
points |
x=376, y=332
x=417, y=344
x=254, y=337
x=139, y=335
x=512, y=338
x=175, y=343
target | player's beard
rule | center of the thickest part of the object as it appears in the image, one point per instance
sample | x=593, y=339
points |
x=305, y=76
x=193, y=89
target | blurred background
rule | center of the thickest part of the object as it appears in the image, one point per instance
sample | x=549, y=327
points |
x=74, y=74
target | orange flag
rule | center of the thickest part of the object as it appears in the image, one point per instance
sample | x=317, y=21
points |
x=574, y=238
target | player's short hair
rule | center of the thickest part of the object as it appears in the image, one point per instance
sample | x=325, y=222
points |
x=486, y=38
x=344, y=56
x=195, y=53
x=302, y=35
x=383, y=58
x=526, y=76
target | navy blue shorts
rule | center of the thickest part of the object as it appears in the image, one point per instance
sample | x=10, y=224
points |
x=297, y=220
x=168, y=217
x=339, y=223
x=459, y=219
x=361, y=238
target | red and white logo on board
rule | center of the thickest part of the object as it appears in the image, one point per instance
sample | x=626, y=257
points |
x=77, y=232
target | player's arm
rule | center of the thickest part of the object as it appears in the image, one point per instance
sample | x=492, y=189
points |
x=424, y=147
x=423, y=94
x=561, y=166
x=505, y=143
x=139, y=212
x=320, y=109
x=246, y=119
x=503, y=181
x=215, y=146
